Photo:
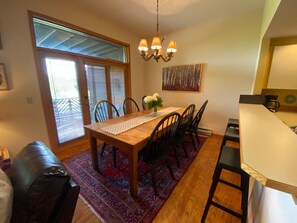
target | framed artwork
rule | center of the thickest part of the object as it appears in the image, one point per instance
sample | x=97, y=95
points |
x=3, y=78
x=182, y=78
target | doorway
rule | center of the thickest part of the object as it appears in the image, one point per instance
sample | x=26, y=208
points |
x=71, y=87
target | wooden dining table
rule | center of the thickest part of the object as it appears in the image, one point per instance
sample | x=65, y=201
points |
x=130, y=141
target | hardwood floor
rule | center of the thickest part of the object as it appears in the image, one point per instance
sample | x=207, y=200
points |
x=187, y=201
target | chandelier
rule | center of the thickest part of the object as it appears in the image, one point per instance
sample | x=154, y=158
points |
x=157, y=46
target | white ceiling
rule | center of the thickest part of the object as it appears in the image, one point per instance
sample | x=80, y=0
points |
x=139, y=16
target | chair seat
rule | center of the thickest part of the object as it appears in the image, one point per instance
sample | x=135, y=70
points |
x=230, y=159
x=232, y=134
x=232, y=122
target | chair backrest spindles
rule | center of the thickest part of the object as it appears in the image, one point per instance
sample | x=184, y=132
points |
x=160, y=138
x=105, y=110
x=130, y=106
x=195, y=122
x=144, y=106
x=185, y=120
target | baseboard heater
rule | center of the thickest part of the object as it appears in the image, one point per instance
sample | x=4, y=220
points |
x=203, y=131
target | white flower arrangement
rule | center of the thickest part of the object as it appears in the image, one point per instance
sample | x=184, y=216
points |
x=153, y=101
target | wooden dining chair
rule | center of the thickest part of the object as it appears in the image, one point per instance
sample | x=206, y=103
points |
x=193, y=127
x=184, y=122
x=105, y=110
x=157, y=149
x=130, y=106
x=144, y=106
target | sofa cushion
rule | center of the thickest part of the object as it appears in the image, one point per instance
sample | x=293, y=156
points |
x=40, y=181
x=6, y=195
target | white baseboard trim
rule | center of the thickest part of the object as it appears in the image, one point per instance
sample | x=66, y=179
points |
x=203, y=131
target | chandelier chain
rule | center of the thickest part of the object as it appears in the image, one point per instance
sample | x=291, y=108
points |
x=158, y=17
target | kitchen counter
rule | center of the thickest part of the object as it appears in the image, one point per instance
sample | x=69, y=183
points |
x=289, y=118
x=268, y=147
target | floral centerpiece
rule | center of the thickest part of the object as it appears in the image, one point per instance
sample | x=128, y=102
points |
x=153, y=101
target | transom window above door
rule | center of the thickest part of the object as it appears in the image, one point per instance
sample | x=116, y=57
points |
x=53, y=36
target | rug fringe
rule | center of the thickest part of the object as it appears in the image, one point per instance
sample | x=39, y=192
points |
x=91, y=208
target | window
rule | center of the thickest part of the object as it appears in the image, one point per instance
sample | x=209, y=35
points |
x=53, y=36
x=77, y=69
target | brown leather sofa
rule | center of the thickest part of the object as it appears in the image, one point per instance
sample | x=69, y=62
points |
x=43, y=189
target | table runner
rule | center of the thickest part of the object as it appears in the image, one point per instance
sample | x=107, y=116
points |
x=131, y=123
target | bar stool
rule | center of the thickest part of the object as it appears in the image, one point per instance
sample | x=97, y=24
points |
x=231, y=134
x=233, y=122
x=229, y=160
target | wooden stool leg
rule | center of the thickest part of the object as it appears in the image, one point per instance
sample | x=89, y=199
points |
x=221, y=148
x=212, y=190
x=245, y=179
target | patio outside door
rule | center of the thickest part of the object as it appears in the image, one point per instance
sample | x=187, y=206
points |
x=105, y=82
x=64, y=97
x=72, y=87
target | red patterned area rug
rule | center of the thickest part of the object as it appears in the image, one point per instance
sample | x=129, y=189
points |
x=107, y=194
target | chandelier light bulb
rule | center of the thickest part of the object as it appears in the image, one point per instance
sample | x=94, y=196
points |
x=143, y=45
x=171, y=47
x=156, y=44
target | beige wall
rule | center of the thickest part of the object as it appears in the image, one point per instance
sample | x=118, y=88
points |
x=20, y=122
x=283, y=68
x=228, y=48
x=268, y=13
x=261, y=78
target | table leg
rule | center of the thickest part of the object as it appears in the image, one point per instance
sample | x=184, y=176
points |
x=133, y=160
x=94, y=152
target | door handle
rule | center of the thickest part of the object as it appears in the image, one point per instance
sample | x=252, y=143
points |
x=86, y=99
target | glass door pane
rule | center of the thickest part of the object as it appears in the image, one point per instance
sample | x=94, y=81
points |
x=105, y=82
x=117, y=82
x=62, y=76
x=96, y=82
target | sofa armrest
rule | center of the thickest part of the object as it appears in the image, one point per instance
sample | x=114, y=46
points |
x=69, y=202
x=41, y=185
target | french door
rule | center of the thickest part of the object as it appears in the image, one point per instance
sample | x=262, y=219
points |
x=70, y=88
x=105, y=82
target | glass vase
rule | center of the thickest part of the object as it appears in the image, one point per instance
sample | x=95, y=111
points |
x=155, y=110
